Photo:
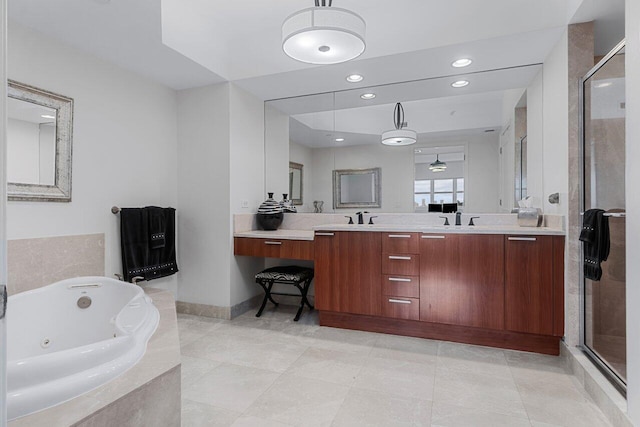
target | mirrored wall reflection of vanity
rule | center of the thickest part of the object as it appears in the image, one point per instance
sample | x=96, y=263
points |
x=479, y=131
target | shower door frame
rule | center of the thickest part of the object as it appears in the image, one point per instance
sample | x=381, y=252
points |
x=597, y=360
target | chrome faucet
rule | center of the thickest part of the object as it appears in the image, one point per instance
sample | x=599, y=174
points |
x=458, y=218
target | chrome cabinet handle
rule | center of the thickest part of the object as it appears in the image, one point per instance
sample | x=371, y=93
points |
x=426, y=236
x=325, y=234
x=523, y=239
x=399, y=279
x=404, y=258
x=399, y=301
x=3, y=301
x=272, y=243
x=399, y=236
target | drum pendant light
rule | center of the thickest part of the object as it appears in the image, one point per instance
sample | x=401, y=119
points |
x=399, y=135
x=323, y=34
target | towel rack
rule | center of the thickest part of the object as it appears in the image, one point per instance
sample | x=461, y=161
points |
x=611, y=214
x=115, y=210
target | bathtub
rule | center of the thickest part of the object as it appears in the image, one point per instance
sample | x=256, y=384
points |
x=71, y=337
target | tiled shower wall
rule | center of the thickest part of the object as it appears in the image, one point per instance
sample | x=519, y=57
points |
x=33, y=263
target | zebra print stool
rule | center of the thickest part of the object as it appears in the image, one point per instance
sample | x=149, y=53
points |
x=300, y=277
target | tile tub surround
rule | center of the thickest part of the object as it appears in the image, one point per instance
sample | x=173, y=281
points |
x=271, y=371
x=148, y=391
x=34, y=263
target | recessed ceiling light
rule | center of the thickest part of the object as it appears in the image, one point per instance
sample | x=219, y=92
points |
x=339, y=139
x=354, y=78
x=368, y=95
x=462, y=62
x=47, y=116
x=460, y=83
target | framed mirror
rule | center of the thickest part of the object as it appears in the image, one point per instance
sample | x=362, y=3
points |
x=295, y=183
x=357, y=188
x=39, y=144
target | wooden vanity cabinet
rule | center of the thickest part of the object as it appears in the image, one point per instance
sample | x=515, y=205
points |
x=462, y=280
x=348, y=274
x=533, y=289
x=401, y=280
x=273, y=248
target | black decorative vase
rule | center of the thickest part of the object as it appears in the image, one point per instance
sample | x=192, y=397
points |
x=270, y=214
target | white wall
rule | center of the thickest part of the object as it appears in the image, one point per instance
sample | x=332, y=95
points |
x=247, y=182
x=556, y=127
x=203, y=195
x=23, y=152
x=124, y=143
x=633, y=206
x=220, y=166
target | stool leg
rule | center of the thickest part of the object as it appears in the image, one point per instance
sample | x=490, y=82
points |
x=307, y=285
x=267, y=297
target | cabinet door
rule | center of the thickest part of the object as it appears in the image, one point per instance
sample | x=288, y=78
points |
x=326, y=285
x=359, y=272
x=462, y=280
x=529, y=284
x=348, y=272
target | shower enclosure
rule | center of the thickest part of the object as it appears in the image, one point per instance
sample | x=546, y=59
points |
x=603, y=328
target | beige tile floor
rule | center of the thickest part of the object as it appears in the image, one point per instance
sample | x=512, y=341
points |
x=271, y=371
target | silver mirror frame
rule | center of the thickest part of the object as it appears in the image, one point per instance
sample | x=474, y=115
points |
x=61, y=190
x=298, y=166
x=337, y=191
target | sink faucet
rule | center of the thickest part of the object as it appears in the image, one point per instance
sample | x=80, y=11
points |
x=458, y=218
x=361, y=217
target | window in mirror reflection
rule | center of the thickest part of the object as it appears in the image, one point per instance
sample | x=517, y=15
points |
x=434, y=189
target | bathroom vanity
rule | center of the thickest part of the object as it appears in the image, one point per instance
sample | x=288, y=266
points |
x=503, y=290
x=500, y=286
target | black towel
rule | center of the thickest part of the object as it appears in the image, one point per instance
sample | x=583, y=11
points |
x=148, y=242
x=595, y=236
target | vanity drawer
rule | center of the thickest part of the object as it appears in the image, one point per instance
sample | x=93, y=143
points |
x=401, y=308
x=402, y=264
x=400, y=243
x=273, y=248
x=401, y=286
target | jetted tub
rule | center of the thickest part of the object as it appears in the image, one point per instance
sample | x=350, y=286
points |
x=73, y=336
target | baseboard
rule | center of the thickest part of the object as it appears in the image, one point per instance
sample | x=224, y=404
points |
x=218, y=312
x=610, y=401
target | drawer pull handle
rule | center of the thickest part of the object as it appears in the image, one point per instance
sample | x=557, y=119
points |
x=403, y=258
x=399, y=301
x=399, y=236
x=433, y=237
x=325, y=234
x=272, y=243
x=398, y=279
x=523, y=239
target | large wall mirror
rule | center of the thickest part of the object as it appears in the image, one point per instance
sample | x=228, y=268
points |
x=39, y=144
x=488, y=133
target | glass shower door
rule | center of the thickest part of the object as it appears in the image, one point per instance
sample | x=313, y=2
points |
x=604, y=302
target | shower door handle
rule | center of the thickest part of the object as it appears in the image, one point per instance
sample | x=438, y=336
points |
x=3, y=301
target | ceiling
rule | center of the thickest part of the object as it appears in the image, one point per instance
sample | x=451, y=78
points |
x=190, y=43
